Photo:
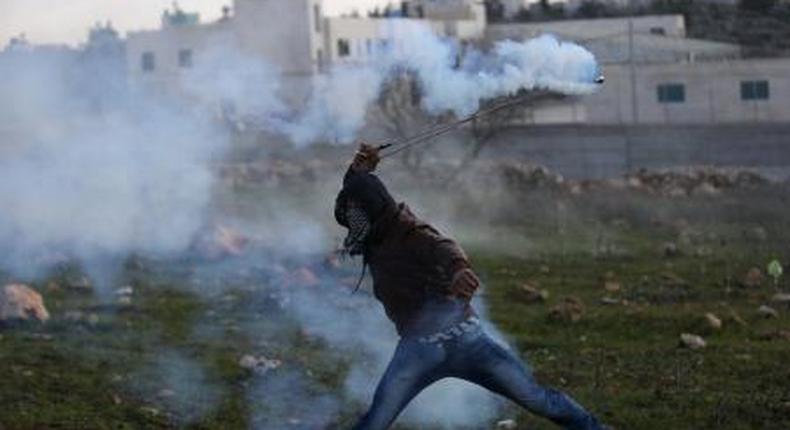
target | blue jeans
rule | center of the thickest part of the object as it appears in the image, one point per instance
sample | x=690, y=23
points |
x=474, y=357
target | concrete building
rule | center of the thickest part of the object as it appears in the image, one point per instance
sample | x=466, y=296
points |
x=286, y=34
x=590, y=29
x=291, y=35
x=713, y=92
x=357, y=39
x=717, y=86
x=676, y=80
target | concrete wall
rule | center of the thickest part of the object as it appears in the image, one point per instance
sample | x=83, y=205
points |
x=712, y=93
x=609, y=151
x=165, y=45
x=285, y=32
x=672, y=25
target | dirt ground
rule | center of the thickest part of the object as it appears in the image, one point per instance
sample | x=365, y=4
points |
x=640, y=266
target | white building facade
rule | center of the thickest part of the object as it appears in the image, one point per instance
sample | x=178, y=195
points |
x=676, y=79
x=293, y=36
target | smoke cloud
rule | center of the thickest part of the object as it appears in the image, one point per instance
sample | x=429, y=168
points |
x=81, y=181
x=91, y=180
x=451, y=79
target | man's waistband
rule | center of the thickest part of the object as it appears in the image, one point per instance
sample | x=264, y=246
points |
x=466, y=326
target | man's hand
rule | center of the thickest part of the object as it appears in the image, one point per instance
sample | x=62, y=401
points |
x=464, y=284
x=366, y=159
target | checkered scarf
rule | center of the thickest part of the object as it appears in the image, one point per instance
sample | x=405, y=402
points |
x=358, y=229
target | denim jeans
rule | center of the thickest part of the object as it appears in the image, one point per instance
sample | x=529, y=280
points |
x=474, y=357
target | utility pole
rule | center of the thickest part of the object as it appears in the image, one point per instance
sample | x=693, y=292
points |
x=634, y=99
x=631, y=64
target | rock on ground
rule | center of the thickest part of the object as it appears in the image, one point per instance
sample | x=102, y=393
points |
x=781, y=299
x=528, y=293
x=713, y=321
x=570, y=309
x=259, y=365
x=506, y=425
x=767, y=312
x=20, y=302
x=692, y=341
x=753, y=278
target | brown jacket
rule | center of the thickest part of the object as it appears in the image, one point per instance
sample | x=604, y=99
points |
x=412, y=266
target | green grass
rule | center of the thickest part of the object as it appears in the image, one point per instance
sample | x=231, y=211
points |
x=622, y=361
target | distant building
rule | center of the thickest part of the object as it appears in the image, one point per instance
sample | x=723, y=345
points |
x=286, y=34
x=291, y=35
x=710, y=92
x=103, y=60
x=677, y=80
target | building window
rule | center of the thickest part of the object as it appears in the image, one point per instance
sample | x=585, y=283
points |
x=671, y=93
x=317, y=17
x=658, y=31
x=148, y=62
x=343, y=48
x=755, y=90
x=319, y=59
x=185, y=58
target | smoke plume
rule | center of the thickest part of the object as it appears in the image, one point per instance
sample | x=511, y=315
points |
x=451, y=79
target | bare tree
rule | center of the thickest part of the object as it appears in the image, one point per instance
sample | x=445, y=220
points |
x=400, y=115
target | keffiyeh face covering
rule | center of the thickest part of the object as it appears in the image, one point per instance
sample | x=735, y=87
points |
x=358, y=229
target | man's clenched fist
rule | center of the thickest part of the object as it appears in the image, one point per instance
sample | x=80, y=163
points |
x=464, y=284
x=366, y=159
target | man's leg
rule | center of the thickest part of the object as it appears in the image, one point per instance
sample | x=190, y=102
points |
x=413, y=367
x=490, y=365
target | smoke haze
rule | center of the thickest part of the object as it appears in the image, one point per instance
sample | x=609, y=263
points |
x=134, y=175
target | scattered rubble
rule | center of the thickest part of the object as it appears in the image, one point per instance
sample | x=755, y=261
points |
x=529, y=293
x=736, y=318
x=79, y=283
x=781, y=299
x=754, y=278
x=124, y=295
x=671, y=250
x=506, y=424
x=713, y=321
x=301, y=277
x=610, y=301
x=699, y=181
x=778, y=334
x=692, y=341
x=570, y=309
x=694, y=181
x=610, y=282
x=259, y=365
x=767, y=312
x=82, y=317
x=20, y=302
x=671, y=280
x=220, y=241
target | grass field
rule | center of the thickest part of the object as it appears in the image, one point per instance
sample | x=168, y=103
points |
x=170, y=358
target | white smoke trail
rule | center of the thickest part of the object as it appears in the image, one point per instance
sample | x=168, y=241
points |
x=450, y=80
